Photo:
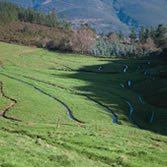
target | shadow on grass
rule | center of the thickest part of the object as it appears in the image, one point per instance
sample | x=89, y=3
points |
x=104, y=86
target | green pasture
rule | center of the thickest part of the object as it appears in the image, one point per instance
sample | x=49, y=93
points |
x=47, y=136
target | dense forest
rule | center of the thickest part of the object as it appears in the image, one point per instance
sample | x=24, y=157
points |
x=10, y=13
x=29, y=27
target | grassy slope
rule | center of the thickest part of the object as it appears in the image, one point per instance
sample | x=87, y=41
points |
x=40, y=141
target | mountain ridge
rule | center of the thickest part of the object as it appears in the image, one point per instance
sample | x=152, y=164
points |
x=105, y=15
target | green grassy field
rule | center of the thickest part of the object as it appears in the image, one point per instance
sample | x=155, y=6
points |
x=40, y=81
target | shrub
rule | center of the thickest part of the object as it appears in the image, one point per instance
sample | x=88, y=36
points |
x=59, y=44
x=82, y=40
x=113, y=48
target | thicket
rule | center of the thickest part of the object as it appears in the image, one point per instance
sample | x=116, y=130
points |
x=59, y=44
x=79, y=40
x=141, y=43
x=82, y=39
x=114, y=48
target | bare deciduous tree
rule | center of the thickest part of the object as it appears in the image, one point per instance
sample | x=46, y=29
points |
x=82, y=40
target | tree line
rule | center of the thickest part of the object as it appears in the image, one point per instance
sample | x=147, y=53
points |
x=84, y=39
x=157, y=35
x=141, y=43
x=10, y=12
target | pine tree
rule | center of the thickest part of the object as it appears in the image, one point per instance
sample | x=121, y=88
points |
x=30, y=15
x=141, y=35
x=121, y=35
x=152, y=33
x=133, y=35
x=161, y=36
x=64, y=19
x=54, y=18
x=146, y=34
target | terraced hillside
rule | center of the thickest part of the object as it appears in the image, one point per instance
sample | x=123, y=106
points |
x=77, y=110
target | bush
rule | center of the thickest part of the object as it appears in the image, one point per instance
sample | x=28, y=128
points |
x=53, y=44
x=59, y=44
x=82, y=40
x=113, y=48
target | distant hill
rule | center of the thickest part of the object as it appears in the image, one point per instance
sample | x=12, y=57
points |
x=105, y=15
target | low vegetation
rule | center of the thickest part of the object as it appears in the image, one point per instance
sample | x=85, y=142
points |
x=46, y=136
x=100, y=102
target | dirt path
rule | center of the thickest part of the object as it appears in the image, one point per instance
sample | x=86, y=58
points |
x=3, y=113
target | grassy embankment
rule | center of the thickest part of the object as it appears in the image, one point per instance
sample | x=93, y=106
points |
x=48, y=137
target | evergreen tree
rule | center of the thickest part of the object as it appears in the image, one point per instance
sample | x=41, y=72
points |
x=133, y=35
x=121, y=35
x=8, y=12
x=40, y=18
x=54, y=18
x=30, y=15
x=146, y=34
x=161, y=36
x=152, y=33
x=64, y=19
x=141, y=35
